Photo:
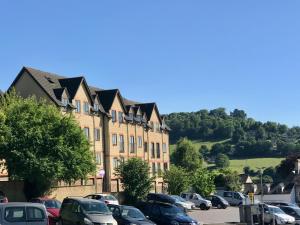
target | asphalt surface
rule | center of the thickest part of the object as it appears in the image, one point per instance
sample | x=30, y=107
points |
x=216, y=216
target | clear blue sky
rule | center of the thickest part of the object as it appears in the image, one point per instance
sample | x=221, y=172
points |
x=185, y=55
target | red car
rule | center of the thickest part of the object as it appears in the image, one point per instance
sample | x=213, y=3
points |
x=52, y=206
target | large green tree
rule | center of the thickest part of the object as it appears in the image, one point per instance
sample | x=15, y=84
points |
x=222, y=161
x=203, y=182
x=40, y=145
x=177, y=180
x=186, y=155
x=135, y=179
x=228, y=179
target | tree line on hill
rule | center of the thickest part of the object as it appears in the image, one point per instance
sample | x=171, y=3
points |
x=241, y=136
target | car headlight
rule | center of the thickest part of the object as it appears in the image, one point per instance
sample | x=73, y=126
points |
x=174, y=222
x=87, y=221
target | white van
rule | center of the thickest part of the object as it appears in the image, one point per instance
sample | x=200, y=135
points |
x=234, y=198
x=198, y=200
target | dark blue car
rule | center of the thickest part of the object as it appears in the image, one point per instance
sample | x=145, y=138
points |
x=165, y=214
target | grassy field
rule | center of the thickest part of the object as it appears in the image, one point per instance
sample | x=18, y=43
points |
x=238, y=164
x=198, y=144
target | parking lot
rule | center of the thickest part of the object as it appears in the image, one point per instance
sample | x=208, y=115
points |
x=216, y=216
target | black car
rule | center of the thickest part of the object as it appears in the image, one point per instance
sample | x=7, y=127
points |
x=160, y=198
x=125, y=215
x=165, y=213
x=292, y=211
x=218, y=201
x=279, y=204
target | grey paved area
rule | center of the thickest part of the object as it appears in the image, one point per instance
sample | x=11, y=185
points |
x=216, y=216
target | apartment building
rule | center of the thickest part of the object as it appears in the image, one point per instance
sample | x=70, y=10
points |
x=116, y=127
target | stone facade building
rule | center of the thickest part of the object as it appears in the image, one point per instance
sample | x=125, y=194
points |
x=116, y=127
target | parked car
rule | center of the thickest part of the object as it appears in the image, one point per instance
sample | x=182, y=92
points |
x=281, y=203
x=218, y=201
x=232, y=197
x=160, y=198
x=179, y=201
x=125, y=215
x=198, y=200
x=85, y=211
x=106, y=198
x=273, y=214
x=52, y=207
x=23, y=214
x=165, y=213
x=292, y=211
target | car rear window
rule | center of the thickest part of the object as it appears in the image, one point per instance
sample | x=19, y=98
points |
x=109, y=197
x=15, y=214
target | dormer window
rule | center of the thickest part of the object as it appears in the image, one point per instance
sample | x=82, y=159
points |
x=130, y=115
x=96, y=107
x=139, y=117
x=65, y=101
x=86, y=107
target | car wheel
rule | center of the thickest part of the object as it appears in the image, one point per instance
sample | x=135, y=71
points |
x=202, y=206
x=219, y=206
x=207, y=208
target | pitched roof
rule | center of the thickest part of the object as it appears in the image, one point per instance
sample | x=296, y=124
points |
x=148, y=109
x=107, y=98
x=52, y=83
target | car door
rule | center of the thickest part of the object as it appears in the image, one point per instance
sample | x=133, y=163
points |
x=76, y=213
x=36, y=216
x=15, y=215
x=155, y=215
x=66, y=211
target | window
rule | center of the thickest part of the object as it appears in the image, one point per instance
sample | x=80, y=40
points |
x=98, y=158
x=35, y=214
x=158, y=150
x=78, y=106
x=120, y=117
x=140, y=142
x=65, y=101
x=145, y=147
x=122, y=159
x=153, y=169
x=115, y=163
x=15, y=214
x=227, y=194
x=152, y=125
x=165, y=166
x=122, y=143
x=96, y=107
x=97, y=134
x=113, y=116
x=86, y=131
x=114, y=139
x=86, y=107
x=131, y=143
x=164, y=147
x=130, y=115
x=159, y=172
x=152, y=150
x=139, y=117
x=157, y=127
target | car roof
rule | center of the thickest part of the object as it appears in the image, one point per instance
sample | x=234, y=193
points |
x=81, y=199
x=17, y=204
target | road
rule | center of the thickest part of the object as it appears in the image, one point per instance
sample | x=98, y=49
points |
x=216, y=216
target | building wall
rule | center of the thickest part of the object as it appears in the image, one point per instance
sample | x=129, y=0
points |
x=91, y=122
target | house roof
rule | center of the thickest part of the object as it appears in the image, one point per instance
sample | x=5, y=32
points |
x=107, y=98
x=54, y=85
x=244, y=178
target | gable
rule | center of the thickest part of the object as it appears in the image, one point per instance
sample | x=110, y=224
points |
x=26, y=86
x=118, y=105
x=83, y=94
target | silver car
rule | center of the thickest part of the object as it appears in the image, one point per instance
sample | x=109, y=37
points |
x=23, y=214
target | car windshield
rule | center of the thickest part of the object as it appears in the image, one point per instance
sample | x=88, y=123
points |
x=133, y=213
x=109, y=198
x=54, y=204
x=169, y=210
x=276, y=210
x=199, y=196
x=95, y=208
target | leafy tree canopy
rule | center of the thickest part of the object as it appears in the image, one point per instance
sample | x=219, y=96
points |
x=40, y=145
x=222, y=161
x=203, y=182
x=135, y=179
x=177, y=180
x=186, y=155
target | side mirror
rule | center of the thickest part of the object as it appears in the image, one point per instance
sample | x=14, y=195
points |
x=147, y=217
